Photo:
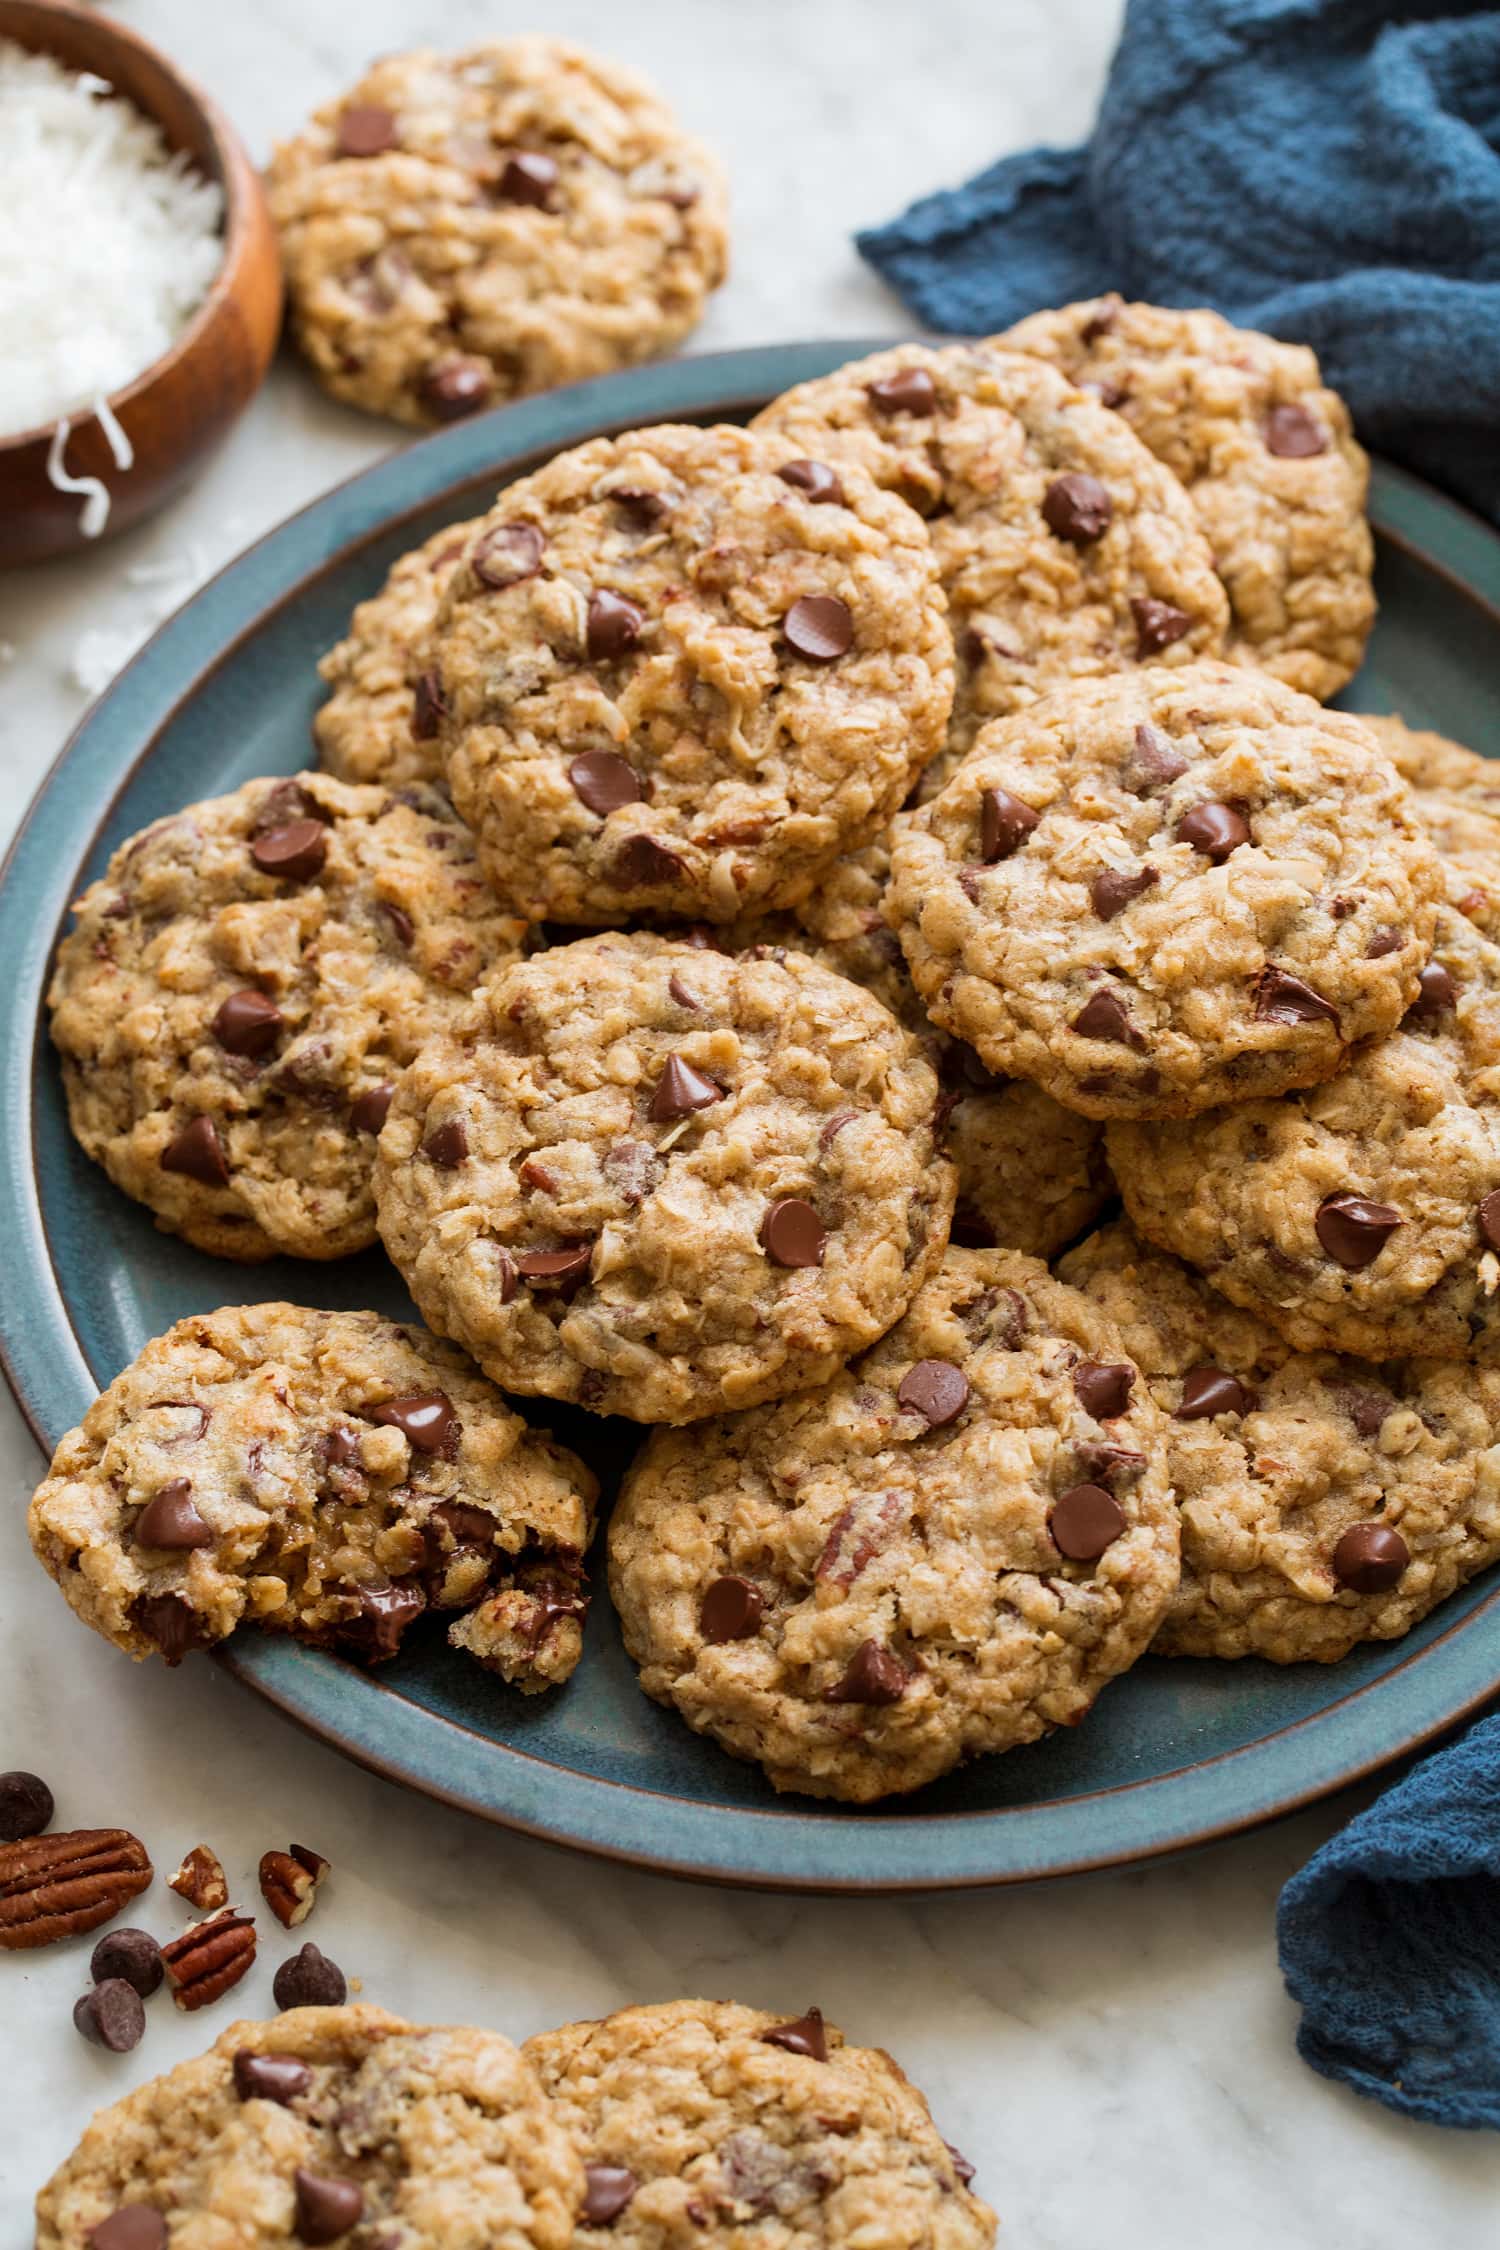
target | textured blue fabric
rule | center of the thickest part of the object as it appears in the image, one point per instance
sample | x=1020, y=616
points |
x=1328, y=170
x=1390, y=1940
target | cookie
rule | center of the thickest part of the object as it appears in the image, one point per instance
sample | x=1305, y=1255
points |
x=327, y=1475
x=671, y=683
x=240, y=990
x=948, y=1550
x=1067, y=551
x=380, y=720
x=1268, y=455
x=700, y=2121
x=662, y=1182
x=325, y=2124
x=1325, y=1501
x=1158, y=893
x=459, y=230
x=1457, y=796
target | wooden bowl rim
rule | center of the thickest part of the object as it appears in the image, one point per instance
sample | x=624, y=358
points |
x=238, y=177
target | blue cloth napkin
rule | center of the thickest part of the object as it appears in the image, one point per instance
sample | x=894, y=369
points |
x=1328, y=170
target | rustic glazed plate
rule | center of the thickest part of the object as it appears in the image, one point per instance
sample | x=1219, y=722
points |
x=1177, y=1753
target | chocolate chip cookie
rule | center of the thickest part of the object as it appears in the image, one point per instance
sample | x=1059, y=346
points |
x=328, y=1475
x=329, y=2124
x=948, y=1550
x=1268, y=455
x=664, y=1182
x=1067, y=551
x=459, y=230
x=672, y=683
x=1325, y=1501
x=1158, y=893
x=380, y=720
x=700, y=2121
x=242, y=987
x=1457, y=796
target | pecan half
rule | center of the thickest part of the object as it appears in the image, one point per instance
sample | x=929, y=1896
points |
x=201, y=1880
x=58, y=1886
x=289, y=1883
x=209, y=1958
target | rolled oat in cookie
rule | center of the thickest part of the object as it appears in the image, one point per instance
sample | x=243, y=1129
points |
x=1269, y=458
x=948, y=1550
x=459, y=230
x=1152, y=895
x=241, y=989
x=701, y=2121
x=1457, y=796
x=380, y=722
x=327, y=1475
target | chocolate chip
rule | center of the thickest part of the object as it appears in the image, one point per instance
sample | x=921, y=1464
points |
x=1112, y=889
x=398, y=920
x=325, y=2208
x=1282, y=998
x=1207, y=1391
x=1215, y=830
x=1437, y=995
x=198, y=1153
x=614, y=624
x=1382, y=943
x=446, y=1146
x=1103, y=1388
x=1004, y=824
x=1105, y=1016
x=1489, y=1218
x=455, y=387
x=169, y=1624
x=643, y=509
x=642, y=863
x=803, y=2037
x=731, y=1610
x=934, y=1389
x=382, y=1617
x=873, y=1676
x=603, y=781
x=1370, y=1558
x=508, y=556
x=684, y=994
x=26, y=1806
x=961, y=2165
x=295, y=853
x=1108, y=1465
x=170, y=1521
x=366, y=129
x=1078, y=508
x=1353, y=1230
x=1085, y=1521
x=247, y=1023
x=556, y=1269
x=819, y=627
x=269, y=2078
x=830, y=1129
x=1367, y=1410
x=1293, y=434
x=425, y=1419
x=680, y=1090
x=528, y=178
x=429, y=705
x=792, y=1234
x=607, y=2189
x=1152, y=762
x=1157, y=624
x=911, y=390
x=133, y=1955
x=370, y=1109
x=135, y=2226
x=112, y=2016
x=815, y=478
x=309, y=1980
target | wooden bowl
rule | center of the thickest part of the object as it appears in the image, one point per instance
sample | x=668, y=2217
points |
x=179, y=408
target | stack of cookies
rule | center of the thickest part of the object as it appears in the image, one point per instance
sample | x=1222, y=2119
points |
x=762, y=889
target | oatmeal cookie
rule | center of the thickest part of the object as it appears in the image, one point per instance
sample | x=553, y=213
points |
x=328, y=1475
x=240, y=990
x=1325, y=1501
x=1269, y=459
x=662, y=1182
x=700, y=2121
x=380, y=720
x=1457, y=796
x=1154, y=894
x=948, y=1550
x=459, y=230
x=326, y=2121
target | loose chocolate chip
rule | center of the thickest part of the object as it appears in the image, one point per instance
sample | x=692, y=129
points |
x=295, y=853
x=614, y=624
x=1078, y=508
x=26, y=1806
x=1283, y=998
x=1152, y=762
x=446, y=1146
x=792, y=1234
x=112, y=2015
x=325, y=2208
x=1157, y=624
x=1004, y=824
x=247, y=1023
x=934, y=1389
x=425, y=1419
x=198, y=1153
x=1103, y=1388
x=1489, y=1218
x=910, y=390
x=1215, y=830
x=528, y=178
x=370, y=1109
x=556, y=1269
x=169, y=1624
x=816, y=479
x=642, y=508
x=270, y=2078
x=171, y=1522
x=1437, y=995
x=1085, y=1521
x=455, y=387
x=1382, y=943
x=131, y=1954
x=819, y=627
x=1293, y=434
x=1105, y=1016
x=309, y=1980
x=680, y=1090
x=805, y=2036
x=603, y=781
x=873, y=1676
x=1353, y=1230
x=1370, y=1558
x=643, y=863
x=508, y=556
x=429, y=705
x=135, y=2226
x=731, y=1610
x=366, y=129
x=607, y=2189
x=1207, y=1391
x=1112, y=889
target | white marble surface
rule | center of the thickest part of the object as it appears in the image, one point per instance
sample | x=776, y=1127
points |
x=1115, y=2055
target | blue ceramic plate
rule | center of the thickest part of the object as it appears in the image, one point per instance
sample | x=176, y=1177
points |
x=1176, y=1754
